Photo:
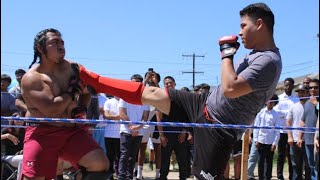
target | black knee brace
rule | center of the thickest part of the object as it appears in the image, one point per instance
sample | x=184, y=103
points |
x=95, y=175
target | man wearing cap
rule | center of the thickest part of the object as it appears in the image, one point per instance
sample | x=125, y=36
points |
x=297, y=148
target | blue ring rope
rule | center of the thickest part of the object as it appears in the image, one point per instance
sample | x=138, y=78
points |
x=171, y=124
x=101, y=129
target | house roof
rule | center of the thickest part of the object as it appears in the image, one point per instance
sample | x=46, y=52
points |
x=297, y=81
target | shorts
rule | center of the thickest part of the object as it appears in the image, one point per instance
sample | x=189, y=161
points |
x=237, y=149
x=150, y=144
x=156, y=140
x=212, y=146
x=146, y=131
x=153, y=141
x=44, y=144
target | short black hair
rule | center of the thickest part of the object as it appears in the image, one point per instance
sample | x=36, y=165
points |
x=137, y=76
x=196, y=88
x=289, y=79
x=185, y=89
x=275, y=99
x=169, y=77
x=205, y=86
x=20, y=71
x=315, y=80
x=259, y=11
x=6, y=77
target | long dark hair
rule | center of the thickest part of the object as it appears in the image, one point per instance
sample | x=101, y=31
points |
x=93, y=109
x=41, y=39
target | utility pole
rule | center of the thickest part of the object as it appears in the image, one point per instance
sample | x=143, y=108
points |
x=193, y=67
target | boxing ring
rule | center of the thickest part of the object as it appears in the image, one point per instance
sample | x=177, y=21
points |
x=245, y=142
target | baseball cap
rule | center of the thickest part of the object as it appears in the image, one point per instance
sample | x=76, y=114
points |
x=302, y=87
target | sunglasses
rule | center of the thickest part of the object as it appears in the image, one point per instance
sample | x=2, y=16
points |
x=313, y=87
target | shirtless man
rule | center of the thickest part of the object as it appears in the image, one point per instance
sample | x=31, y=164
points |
x=50, y=90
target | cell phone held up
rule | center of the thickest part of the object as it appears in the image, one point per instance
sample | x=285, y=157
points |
x=151, y=74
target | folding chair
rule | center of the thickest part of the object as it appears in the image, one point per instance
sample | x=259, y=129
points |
x=10, y=165
x=69, y=172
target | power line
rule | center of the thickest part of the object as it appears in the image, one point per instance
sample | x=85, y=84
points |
x=112, y=60
x=295, y=70
x=302, y=63
x=143, y=62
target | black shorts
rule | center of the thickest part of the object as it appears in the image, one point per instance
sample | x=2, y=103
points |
x=212, y=146
x=237, y=148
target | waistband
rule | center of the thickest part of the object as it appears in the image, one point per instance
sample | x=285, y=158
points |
x=36, y=124
x=32, y=124
x=207, y=115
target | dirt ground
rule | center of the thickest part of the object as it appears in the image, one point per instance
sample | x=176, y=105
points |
x=174, y=174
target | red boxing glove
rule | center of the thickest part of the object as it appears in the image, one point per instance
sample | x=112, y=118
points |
x=130, y=92
x=228, y=46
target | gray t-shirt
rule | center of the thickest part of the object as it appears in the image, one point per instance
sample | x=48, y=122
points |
x=261, y=69
x=310, y=120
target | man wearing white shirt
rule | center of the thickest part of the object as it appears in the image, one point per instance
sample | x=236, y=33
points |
x=112, y=134
x=130, y=135
x=152, y=79
x=286, y=100
x=297, y=148
x=266, y=140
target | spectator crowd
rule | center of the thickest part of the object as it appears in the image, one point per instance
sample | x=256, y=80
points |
x=126, y=145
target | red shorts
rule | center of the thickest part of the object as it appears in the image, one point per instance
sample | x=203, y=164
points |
x=43, y=145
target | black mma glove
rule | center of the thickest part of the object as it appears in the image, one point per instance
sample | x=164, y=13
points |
x=228, y=46
x=74, y=87
x=79, y=112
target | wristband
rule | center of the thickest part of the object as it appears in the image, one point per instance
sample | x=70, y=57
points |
x=228, y=52
x=79, y=112
x=73, y=97
x=228, y=49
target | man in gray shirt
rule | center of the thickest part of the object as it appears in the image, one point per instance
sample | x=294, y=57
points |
x=309, y=119
x=243, y=92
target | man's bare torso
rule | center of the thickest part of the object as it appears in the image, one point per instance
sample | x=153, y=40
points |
x=58, y=82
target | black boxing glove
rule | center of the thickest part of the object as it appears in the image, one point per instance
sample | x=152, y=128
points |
x=228, y=46
x=75, y=68
x=74, y=87
x=74, y=82
x=79, y=112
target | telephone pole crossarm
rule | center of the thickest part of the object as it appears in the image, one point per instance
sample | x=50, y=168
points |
x=193, y=67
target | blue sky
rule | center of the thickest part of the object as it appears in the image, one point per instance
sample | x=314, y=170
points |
x=121, y=38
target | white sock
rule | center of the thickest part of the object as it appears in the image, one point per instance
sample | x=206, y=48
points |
x=139, y=174
x=157, y=173
x=136, y=166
